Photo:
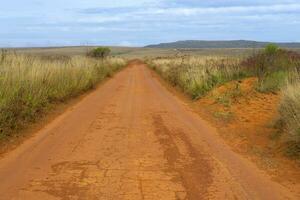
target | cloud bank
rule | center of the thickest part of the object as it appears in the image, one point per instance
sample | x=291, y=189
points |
x=128, y=22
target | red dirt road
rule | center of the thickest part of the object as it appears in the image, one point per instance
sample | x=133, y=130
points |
x=131, y=139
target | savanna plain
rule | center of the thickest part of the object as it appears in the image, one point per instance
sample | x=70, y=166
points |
x=146, y=123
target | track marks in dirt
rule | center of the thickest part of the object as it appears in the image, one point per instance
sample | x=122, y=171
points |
x=192, y=166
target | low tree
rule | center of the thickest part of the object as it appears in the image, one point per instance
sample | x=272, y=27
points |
x=271, y=49
x=100, y=52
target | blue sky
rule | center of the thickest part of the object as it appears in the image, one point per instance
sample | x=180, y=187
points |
x=142, y=22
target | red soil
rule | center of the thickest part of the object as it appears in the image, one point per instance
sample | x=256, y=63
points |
x=245, y=118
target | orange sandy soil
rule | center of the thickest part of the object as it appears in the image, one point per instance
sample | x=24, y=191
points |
x=246, y=122
x=245, y=119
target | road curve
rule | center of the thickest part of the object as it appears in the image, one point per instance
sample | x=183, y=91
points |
x=131, y=139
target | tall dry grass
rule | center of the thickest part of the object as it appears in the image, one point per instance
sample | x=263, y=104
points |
x=198, y=75
x=29, y=85
x=290, y=112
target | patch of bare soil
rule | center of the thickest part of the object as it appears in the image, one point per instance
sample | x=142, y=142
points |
x=245, y=118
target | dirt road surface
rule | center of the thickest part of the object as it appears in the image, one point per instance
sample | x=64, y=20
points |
x=131, y=139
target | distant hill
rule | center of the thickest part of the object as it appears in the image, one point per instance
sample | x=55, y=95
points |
x=220, y=44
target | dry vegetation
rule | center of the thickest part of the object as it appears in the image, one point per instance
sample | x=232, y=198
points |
x=30, y=85
x=290, y=111
x=276, y=71
x=198, y=75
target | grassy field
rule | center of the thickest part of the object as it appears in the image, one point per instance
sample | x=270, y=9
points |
x=275, y=73
x=31, y=84
x=72, y=51
x=139, y=52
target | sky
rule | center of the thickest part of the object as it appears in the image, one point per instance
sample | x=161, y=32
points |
x=25, y=23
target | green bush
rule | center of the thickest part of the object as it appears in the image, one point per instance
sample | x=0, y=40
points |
x=100, y=52
x=271, y=49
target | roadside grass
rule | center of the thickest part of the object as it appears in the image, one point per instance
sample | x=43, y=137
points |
x=277, y=71
x=30, y=85
x=197, y=76
x=290, y=113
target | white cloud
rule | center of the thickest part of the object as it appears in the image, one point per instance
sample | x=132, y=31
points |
x=226, y=10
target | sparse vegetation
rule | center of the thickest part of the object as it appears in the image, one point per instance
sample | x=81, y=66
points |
x=227, y=98
x=29, y=85
x=224, y=115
